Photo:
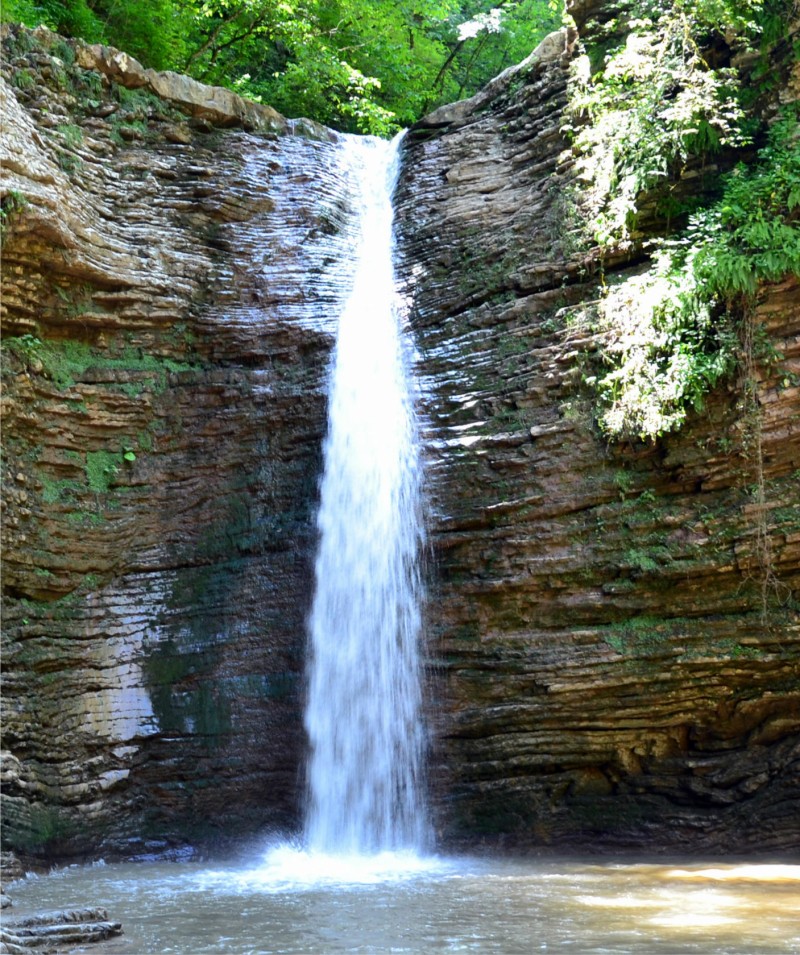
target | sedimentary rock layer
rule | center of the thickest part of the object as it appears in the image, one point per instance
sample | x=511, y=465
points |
x=610, y=663
x=614, y=642
x=169, y=298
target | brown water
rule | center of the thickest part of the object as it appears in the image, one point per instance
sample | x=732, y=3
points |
x=289, y=902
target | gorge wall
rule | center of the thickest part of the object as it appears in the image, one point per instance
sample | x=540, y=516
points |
x=608, y=672
x=170, y=293
x=602, y=668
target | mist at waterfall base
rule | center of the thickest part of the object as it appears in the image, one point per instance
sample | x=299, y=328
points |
x=362, y=877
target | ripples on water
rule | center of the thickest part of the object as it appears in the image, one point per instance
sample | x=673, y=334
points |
x=290, y=901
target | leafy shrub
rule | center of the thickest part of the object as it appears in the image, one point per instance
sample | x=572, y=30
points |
x=672, y=332
x=655, y=103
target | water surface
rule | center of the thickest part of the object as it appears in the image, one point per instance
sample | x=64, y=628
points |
x=289, y=902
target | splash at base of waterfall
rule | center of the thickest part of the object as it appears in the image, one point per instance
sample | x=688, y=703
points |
x=287, y=868
x=287, y=902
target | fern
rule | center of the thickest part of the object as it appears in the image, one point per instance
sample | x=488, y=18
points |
x=672, y=332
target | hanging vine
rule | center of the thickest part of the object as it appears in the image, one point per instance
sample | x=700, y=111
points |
x=643, y=109
x=673, y=331
x=752, y=445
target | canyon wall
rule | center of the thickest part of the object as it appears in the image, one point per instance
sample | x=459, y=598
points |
x=170, y=294
x=615, y=662
x=602, y=667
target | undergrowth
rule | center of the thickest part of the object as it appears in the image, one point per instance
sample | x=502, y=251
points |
x=656, y=98
x=650, y=113
x=66, y=362
x=674, y=331
x=654, y=105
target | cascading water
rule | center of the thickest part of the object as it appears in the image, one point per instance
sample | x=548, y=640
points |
x=363, y=710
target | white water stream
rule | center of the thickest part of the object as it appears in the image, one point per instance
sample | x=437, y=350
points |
x=363, y=709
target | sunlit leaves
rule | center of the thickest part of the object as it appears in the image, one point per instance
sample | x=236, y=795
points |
x=655, y=103
x=671, y=331
x=357, y=65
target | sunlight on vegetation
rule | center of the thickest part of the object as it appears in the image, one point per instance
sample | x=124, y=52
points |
x=655, y=101
x=651, y=107
x=674, y=331
x=357, y=65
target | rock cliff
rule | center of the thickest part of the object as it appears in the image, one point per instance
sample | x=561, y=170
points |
x=170, y=290
x=602, y=667
x=606, y=670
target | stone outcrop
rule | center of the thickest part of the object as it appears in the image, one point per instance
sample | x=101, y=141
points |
x=602, y=668
x=217, y=105
x=51, y=931
x=606, y=672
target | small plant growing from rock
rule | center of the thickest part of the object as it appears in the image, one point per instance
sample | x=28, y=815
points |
x=13, y=202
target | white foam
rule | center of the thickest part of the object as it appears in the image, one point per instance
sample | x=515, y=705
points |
x=286, y=868
x=364, y=700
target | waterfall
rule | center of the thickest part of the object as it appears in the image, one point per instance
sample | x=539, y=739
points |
x=363, y=709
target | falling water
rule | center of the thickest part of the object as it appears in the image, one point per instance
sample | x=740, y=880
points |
x=363, y=712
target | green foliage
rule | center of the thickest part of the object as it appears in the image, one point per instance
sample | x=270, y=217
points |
x=645, y=107
x=751, y=235
x=73, y=18
x=358, y=65
x=65, y=362
x=151, y=30
x=61, y=361
x=654, y=103
x=20, y=11
x=154, y=31
x=45, y=829
x=673, y=330
x=665, y=348
x=642, y=637
x=68, y=163
x=23, y=79
x=57, y=491
x=137, y=104
x=101, y=469
x=13, y=202
x=73, y=135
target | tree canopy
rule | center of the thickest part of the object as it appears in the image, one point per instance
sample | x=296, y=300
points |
x=369, y=66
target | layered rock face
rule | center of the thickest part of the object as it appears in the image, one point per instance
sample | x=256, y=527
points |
x=603, y=668
x=616, y=662
x=170, y=294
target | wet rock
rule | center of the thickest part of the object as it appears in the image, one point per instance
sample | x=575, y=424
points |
x=178, y=134
x=601, y=669
x=167, y=323
x=51, y=931
x=11, y=868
